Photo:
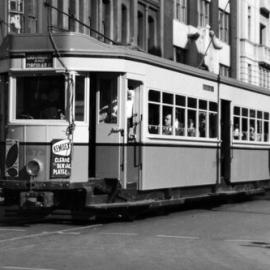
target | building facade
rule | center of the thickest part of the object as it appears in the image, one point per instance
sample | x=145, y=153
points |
x=135, y=23
x=202, y=35
x=253, y=44
x=230, y=38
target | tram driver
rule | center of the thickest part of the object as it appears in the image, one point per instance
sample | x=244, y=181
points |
x=51, y=106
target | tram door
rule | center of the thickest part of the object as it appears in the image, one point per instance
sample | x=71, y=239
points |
x=106, y=131
x=226, y=140
x=133, y=149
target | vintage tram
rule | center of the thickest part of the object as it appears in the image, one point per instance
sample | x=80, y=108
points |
x=87, y=126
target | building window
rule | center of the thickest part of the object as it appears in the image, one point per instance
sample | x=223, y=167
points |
x=203, y=13
x=180, y=116
x=152, y=33
x=249, y=73
x=72, y=11
x=224, y=26
x=264, y=77
x=250, y=125
x=153, y=47
x=224, y=70
x=140, y=38
x=148, y=31
x=181, y=11
x=106, y=19
x=16, y=16
x=124, y=24
x=30, y=18
x=249, y=23
x=262, y=34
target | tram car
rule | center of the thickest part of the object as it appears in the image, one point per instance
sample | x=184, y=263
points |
x=88, y=126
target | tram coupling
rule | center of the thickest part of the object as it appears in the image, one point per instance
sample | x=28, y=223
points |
x=36, y=199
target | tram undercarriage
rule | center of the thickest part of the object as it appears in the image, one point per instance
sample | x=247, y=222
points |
x=106, y=197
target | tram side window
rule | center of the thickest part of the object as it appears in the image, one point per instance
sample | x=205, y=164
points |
x=154, y=112
x=79, y=98
x=40, y=97
x=108, y=106
x=167, y=128
x=180, y=113
x=192, y=117
x=236, y=123
x=250, y=125
x=202, y=118
x=266, y=127
x=259, y=126
x=181, y=116
x=244, y=124
x=167, y=110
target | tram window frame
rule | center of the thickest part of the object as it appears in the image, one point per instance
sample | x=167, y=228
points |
x=29, y=94
x=80, y=98
x=253, y=125
x=108, y=107
x=183, y=109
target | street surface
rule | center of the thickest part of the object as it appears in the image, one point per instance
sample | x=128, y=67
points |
x=226, y=237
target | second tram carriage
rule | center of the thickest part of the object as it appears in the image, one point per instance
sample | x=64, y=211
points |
x=87, y=125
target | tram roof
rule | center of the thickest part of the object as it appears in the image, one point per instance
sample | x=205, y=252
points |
x=81, y=45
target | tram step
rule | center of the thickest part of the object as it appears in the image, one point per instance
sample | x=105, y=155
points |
x=176, y=201
x=105, y=206
x=255, y=191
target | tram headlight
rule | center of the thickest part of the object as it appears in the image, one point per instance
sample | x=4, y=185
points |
x=33, y=167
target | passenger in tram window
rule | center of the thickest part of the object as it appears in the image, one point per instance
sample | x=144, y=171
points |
x=131, y=125
x=191, y=131
x=244, y=137
x=236, y=132
x=202, y=126
x=51, y=106
x=129, y=106
x=180, y=129
x=108, y=113
x=179, y=122
x=167, y=126
x=112, y=116
x=252, y=133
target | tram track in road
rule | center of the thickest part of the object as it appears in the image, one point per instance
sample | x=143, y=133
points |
x=71, y=231
x=24, y=268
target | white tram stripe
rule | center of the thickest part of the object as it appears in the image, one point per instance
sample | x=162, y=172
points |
x=178, y=236
x=49, y=233
x=24, y=268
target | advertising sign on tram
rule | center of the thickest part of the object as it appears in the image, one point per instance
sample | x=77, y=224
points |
x=60, y=159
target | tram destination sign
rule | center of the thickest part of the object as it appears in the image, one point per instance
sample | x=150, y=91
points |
x=60, y=166
x=39, y=60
